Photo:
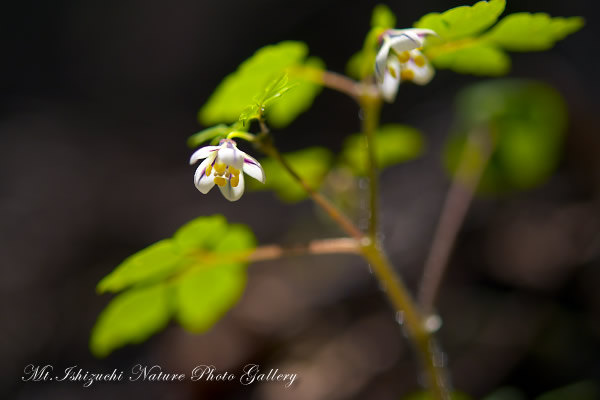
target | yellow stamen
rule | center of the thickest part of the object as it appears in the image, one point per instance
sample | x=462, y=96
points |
x=235, y=180
x=220, y=168
x=420, y=61
x=220, y=181
x=407, y=75
x=404, y=56
x=208, y=170
x=393, y=72
x=234, y=171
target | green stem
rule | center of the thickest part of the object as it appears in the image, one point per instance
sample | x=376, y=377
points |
x=371, y=107
x=425, y=345
x=242, y=135
x=393, y=286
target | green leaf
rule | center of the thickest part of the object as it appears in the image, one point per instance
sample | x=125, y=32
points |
x=527, y=123
x=586, y=390
x=531, y=32
x=154, y=262
x=312, y=164
x=203, y=265
x=383, y=17
x=202, y=233
x=475, y=58
x=208, y=291
x=238, y=238
x=463, y=21
x=205, y=294
x=303, y=90
x=239, y=89
x=394, y=143
x=274, y=90
x=130, y=317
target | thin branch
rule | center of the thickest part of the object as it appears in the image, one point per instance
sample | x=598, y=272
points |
x=393, y=286
x=322, y=201
x=337, y=82
x=454, y=210
x=321, y=246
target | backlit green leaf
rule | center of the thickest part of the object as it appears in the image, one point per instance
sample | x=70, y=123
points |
x=475, y=58
x=302, y=91
x=463, y=21
x=154, y=262
x=311, y=164
x=394, y=143
x=130, y=317
x=205, y=294
x=530, y=32
x=203, y=265
x=203, y=233
x=239, y=89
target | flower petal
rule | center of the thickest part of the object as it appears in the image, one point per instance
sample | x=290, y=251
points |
x=408, y=39
x=204, y=183
x=233, y=193
x=381, y=60
x=230, y=155
x=423, y=73
x=203, y=152
x=254, y=169
x=389, y=86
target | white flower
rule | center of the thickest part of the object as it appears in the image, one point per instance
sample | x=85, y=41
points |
x=399, y=59
x=223, y=166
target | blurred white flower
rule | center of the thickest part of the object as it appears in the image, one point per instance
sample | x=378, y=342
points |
x=223, y=166
x=399, y=59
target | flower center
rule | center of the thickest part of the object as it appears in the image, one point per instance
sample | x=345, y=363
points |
x=224, y=173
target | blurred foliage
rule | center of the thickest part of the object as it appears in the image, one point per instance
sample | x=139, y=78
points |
x=394, y=143
x=196, y=276
x=429, y=396
x=506, y=393
x=464, y=46
x=238, y=89
x=383, y=17
x=312, y=164
x=362, y=63
x=531, y=32
x=526, y=123
x=586, y=390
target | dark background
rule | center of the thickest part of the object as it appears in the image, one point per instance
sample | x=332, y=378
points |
x=97, y=100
